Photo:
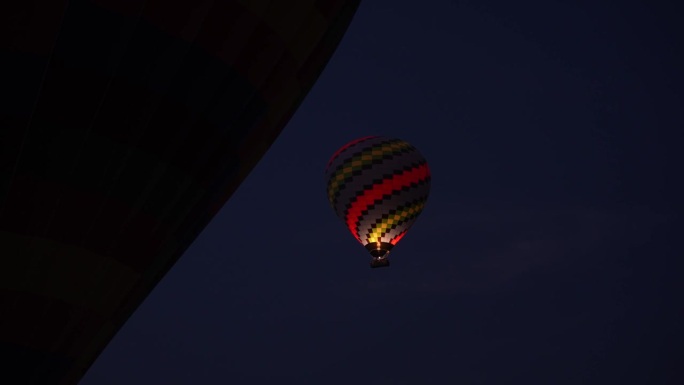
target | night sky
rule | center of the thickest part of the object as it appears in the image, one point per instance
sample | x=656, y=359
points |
x=547, y=252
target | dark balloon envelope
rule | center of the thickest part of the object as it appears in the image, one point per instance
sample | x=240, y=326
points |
x=378, y=187
x=125, y=126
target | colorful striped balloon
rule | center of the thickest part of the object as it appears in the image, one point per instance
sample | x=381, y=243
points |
x=378, y=186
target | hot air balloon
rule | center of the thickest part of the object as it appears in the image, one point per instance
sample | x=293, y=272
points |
x=378, y=186
x=124, y=127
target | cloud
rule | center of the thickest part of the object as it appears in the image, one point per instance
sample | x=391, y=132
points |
x=527, y=240
x=494, y=248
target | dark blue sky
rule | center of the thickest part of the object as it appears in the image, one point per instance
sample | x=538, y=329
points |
x=547, y=253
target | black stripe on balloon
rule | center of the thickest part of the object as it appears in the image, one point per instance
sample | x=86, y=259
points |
x=414, y=185
x=384, y=178
x=360, y=151
x=394, y=193
x=358, y=173
x=337, y=155
x=385, y=197
x=384, y=217
x=375, y=182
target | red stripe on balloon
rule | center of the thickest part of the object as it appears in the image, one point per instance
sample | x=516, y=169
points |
x=377, y=191
x=396, y=239
x=346, y=146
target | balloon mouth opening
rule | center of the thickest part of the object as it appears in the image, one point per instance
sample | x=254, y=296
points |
x=379, y=249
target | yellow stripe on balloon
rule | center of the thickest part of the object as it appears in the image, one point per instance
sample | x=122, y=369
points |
x=379, y=229
x=357, y=162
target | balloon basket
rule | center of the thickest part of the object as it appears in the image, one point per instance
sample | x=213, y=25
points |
x=379, y=262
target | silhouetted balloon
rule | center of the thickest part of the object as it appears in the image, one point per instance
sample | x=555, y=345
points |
x=124, y=127
x=378, y=187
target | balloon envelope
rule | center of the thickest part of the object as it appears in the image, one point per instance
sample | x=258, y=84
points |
x=378, y=186
x=124, y=127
